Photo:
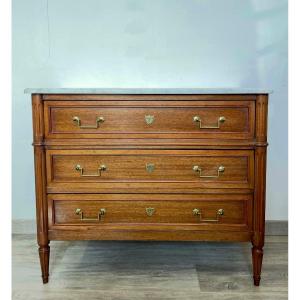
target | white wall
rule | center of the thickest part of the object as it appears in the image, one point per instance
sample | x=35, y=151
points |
x=142, y=43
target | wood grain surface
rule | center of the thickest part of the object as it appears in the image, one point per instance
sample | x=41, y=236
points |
x=126, y=119
x=129, y=166
x=171, y=210
x=153, y=166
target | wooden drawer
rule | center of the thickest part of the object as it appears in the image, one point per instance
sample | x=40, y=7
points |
x=148, y=170
x=207, y=211
x=149, y=119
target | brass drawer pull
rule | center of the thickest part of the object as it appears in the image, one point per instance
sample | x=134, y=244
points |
x=77, y=121
x=198, y=169
x=101, y=213
x=220, y=121
x=102, y=168
x=219, y=213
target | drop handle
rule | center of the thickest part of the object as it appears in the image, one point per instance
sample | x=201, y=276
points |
x=80, y=169
x=220, y=121
x=100, y=214
x=78, y=122
x=219, y=214
x=220, y=170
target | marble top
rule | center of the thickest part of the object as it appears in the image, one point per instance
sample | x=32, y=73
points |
x=147, y=91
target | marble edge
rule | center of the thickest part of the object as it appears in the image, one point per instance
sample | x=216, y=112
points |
x=146, y=91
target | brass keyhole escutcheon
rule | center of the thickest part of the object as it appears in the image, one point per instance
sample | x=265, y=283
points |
x=150, y=211
x=150, y=167
x=149, y=119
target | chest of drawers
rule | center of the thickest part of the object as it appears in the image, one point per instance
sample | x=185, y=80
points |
x=168, y=165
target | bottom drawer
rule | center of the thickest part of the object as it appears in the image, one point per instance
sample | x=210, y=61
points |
x=208, y=211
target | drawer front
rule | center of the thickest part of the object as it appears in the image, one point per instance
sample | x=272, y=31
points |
x=147, y=169
x=203, y=210
x=154, y=119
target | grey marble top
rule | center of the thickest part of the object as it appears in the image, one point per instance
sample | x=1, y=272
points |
x=147, y=91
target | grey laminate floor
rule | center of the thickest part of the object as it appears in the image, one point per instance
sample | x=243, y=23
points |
x=150, y=270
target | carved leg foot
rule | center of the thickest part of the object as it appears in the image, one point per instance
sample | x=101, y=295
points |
x=44, y=252
x=257, y=256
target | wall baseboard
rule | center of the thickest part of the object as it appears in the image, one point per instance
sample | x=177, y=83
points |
x=28, y=227
x=277, y=228
x=21, y=226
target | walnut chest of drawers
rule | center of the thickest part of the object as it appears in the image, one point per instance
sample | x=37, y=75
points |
x=172, y=165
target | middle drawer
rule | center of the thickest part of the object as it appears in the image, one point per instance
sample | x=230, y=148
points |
x=136, y=171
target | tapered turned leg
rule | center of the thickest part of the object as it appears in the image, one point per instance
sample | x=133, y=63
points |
x=257, y=257
x=40, y=184
x=44, y=253
x=259, y=199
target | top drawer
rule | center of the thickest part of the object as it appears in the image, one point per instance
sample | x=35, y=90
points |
x=150, y=119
